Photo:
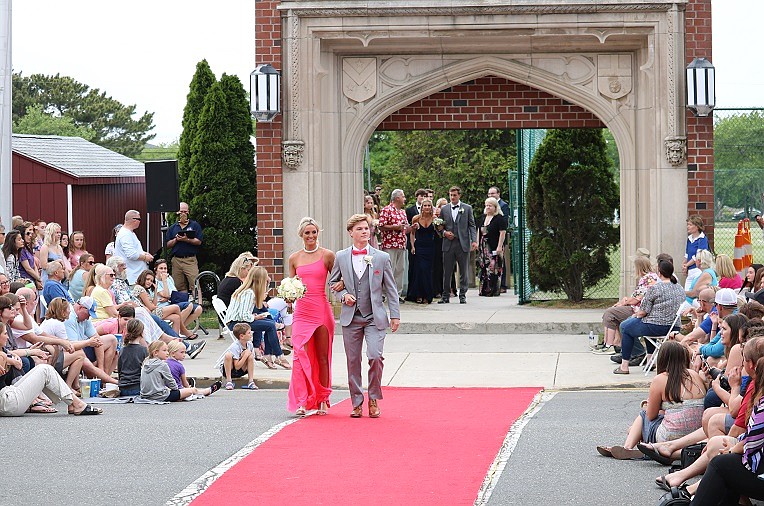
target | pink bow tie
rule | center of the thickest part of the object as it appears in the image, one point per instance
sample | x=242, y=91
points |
x=359, y=251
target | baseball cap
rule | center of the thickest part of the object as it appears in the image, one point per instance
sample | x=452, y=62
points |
x=726, y=297
x=89, y=303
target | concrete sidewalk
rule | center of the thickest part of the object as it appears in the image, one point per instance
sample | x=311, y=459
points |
x=488, y=342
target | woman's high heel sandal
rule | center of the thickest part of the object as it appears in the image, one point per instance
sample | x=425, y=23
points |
x=323, y=408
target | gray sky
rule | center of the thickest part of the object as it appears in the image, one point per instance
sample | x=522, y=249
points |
x=145, y=53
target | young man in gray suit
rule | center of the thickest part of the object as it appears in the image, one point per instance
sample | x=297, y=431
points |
x=459, y=237
x=367, y=274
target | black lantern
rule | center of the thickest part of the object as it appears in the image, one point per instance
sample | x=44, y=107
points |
x=265, y=93
x=701, y=90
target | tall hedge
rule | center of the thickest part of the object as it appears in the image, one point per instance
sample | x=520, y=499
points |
x=571, y=198
x=200, y=84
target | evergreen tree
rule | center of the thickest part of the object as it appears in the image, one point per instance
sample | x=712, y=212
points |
x=570, y=199
x=200, y=84
x=218, y=184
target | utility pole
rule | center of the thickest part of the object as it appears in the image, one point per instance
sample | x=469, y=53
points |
x=6, y=80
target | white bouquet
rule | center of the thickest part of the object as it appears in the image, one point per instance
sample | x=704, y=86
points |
x=291, y=289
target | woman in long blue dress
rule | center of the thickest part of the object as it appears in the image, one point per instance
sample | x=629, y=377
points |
x=423, y=249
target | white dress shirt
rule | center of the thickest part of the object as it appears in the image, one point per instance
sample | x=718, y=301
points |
x=359, y=266
x=454, y=212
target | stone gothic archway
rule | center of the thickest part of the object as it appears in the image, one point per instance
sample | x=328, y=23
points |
x=347, y=68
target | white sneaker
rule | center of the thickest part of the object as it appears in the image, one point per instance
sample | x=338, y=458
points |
x=606, y=350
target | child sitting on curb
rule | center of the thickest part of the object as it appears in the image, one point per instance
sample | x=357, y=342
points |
x=131, y=358
x=177, y=355
x=157, y=382
x=239, y=359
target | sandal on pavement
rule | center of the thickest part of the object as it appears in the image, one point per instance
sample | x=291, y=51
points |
x=605, y=451
x=621, y=453
x=269, y=364
x=89, y=410
x=40, y=408
x=283, y=363
x=250, y=386
x=663, y=483
x=618, y=370
x=649, y=450
x=229, y=385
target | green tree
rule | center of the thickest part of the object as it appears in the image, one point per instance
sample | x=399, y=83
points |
x=200, y=84
x=739, y=160
x=39, y=123
x=160, y=151
x=570, y=200
x=111, y=121
x=219, y=180
x=474, y=160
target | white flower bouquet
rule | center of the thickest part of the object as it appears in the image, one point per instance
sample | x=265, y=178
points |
x=291, y=289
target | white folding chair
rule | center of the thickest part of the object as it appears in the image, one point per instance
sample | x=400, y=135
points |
x=657, y=341
x=220, y=309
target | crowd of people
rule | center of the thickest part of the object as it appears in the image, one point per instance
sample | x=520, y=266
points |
x=61, y=311
x=705, y=405
x=435, y=238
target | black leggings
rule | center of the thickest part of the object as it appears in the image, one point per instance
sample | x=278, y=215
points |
x=726, y=479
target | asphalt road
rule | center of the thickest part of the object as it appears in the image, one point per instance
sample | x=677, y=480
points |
x=145, y=454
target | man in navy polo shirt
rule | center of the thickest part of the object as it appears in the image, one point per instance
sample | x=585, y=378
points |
x=184, y=239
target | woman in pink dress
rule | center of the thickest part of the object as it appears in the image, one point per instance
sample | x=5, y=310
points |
x=313, y=325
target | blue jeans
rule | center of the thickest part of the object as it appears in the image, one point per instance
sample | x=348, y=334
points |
x=267, y=328
x=632, y=329
x=166, y=327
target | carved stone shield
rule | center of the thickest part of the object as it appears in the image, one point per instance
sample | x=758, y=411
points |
x=359, y=78
x=614, y=75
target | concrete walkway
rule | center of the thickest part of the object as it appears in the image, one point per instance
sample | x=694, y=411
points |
x=488, y=342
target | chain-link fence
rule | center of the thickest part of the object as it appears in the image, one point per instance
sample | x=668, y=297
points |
x=528, y=142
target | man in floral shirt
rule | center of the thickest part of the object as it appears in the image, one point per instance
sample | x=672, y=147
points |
x=394, y=227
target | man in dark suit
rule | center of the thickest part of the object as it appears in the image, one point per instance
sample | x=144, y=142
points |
x=459, y=237
x=410, y=213
x=493, y=191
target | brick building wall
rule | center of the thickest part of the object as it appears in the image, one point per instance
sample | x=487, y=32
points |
x=700, y=131
x=270, y=211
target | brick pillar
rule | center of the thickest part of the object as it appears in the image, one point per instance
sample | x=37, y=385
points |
x=269, y=176
x=700, y=131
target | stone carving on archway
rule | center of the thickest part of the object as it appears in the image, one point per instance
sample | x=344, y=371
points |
x=614, y=75
x=359, y=78
x=676, y=150
x=291, y=153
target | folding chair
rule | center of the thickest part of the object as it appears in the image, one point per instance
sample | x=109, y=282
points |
x=657, y=341
x=220, y=309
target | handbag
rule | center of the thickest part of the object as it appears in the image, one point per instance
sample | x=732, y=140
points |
x=691, y=453
x=675, y=497
x=177, y=297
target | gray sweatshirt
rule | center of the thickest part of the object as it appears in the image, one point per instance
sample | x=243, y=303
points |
x=156, y=380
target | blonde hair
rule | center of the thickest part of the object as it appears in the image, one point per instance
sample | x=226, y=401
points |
x=642, y=265
x=50, y=233
x=441, y=202
x=90, y=281
x=257, y=281
x=724, y=266
x=355, y=219
x=706, y=259
x=175, y=346
x=305, y=222
x=495, y=204
x=57, y=309
x=155, y=347
x=238, y=263
x=101, y=271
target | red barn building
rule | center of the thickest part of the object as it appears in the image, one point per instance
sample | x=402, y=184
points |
x=81, y=186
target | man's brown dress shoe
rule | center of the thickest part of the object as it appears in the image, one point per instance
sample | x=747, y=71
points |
x=374, y=410
x=357, y=412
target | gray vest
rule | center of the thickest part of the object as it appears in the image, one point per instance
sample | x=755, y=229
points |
x=363, y=293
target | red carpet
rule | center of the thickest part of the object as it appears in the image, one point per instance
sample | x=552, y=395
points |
x=431, y=446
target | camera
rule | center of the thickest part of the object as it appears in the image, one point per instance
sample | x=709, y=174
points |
x=715, y=372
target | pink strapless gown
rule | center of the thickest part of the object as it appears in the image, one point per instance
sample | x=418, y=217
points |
x=311, y=312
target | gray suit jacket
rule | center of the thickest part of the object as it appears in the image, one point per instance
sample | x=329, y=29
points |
x=382, y=282
x=463, y=228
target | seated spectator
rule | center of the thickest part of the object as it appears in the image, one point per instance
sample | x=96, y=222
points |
x=53, y=285
x=165, y=287
x=174, y=361
x=728, y=276
x=5, y=284
x=23, y=329
x=239, y=359
x=68, y=359
x=16, y=399
x=90, y=281
x=750, y=275
x=14, y=243
x=131, y=359
x=757, y=291
x=77, y=248
x=101, y=350
x=674, y=404
x=655, y=317
x=145, y=292
x=707, y=278
x=157, y=382
x=106, y=306
x=625, y=308
x=726, y=304
x=78, y=275
x=704, y=323
x=236, y=274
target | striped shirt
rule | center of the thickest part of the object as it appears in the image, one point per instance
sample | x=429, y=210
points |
x=661, y=302
x=753, y=448
x=241, y=307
